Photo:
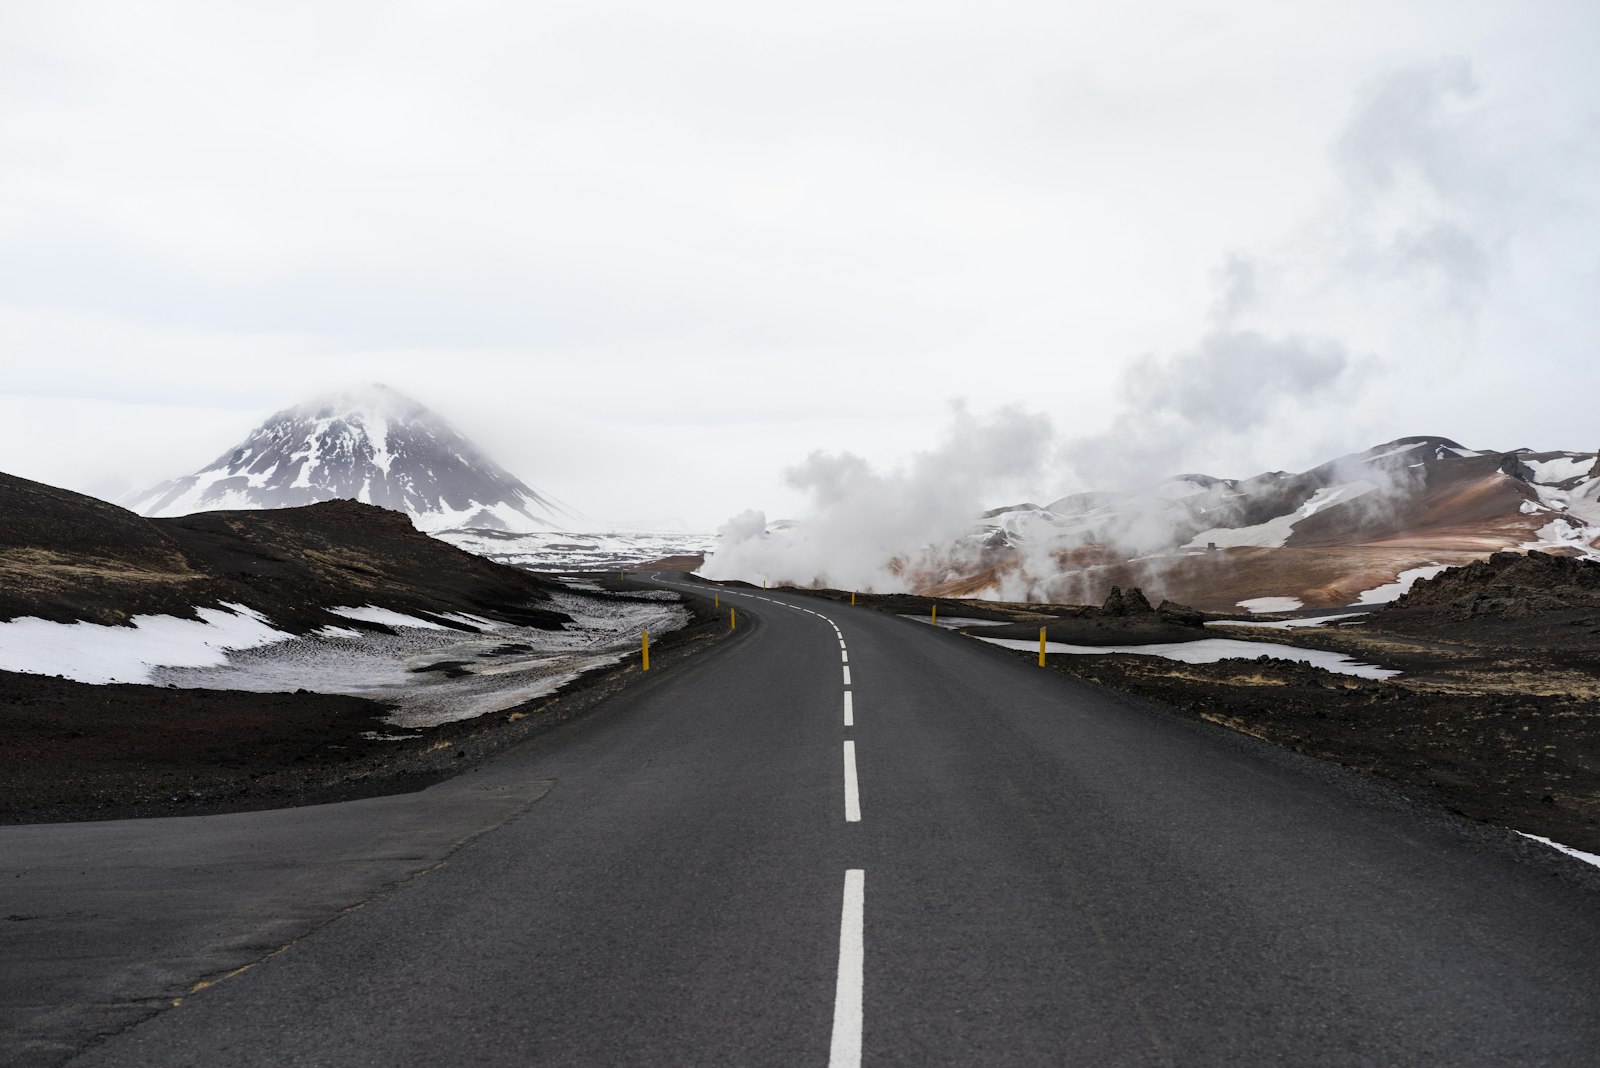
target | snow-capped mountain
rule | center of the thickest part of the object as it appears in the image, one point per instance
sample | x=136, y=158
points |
x=373, y=445
x=1427, y=489
x=1354, y=530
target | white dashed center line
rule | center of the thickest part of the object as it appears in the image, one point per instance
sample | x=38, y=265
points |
x=849, y=711
x=852, y=792
x=846, y=1049
x=847, y=674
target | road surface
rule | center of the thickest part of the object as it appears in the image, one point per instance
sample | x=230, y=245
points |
x=843, y=837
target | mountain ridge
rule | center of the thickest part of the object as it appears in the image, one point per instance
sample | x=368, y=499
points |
x=1317, y=536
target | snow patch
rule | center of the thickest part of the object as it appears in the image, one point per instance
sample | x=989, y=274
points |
x=1587, y=858
x=373, y=614
x=1562, y=469
x=1211, y=650
x=552, y=550
x=1396, y=451
x=1283, y=624
x=1567, y=533
x=92, y=652
x=1271, y=604
x=492, y=672
x=1392, y=591
x=1275, y=532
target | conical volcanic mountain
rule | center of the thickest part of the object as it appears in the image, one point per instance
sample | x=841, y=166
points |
x=373, y=445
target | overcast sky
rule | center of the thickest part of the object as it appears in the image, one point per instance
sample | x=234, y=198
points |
x=652, y=255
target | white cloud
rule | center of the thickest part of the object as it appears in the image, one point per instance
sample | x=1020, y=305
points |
x=640, y=224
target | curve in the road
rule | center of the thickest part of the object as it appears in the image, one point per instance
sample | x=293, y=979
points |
x=1058, y=874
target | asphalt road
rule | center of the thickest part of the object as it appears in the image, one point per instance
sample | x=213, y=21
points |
x=990, y=864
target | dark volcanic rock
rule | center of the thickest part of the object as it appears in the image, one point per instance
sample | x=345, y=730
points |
x=1124, y=619
x=1511, y=464
x=67, y=557
x=1180, y=614
x=1132, y=603
x=1508, y=586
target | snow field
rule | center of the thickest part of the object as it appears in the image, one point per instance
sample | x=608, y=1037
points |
x=1284, y=624
x=90, y=652
x=237, y=649
x=1392, y=591
x=1209, y=651
x=1275, y=532
x=1271, y=604
x=553, y=550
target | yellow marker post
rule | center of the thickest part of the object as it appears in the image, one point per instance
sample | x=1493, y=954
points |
x=763, y=583
x=1041, y=647
x=647, y=650
x=733, y=618
x=936, y=615
x=852, y=598
x=716, y=600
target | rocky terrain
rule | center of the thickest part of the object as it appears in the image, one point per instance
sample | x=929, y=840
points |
x=79, y=752
x=1124, y=619
x=104, y=749
x=1531, y=593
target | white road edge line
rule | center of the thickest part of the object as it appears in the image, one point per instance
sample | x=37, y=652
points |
x=849, y=710
x=846, y=1049
x=852, y=792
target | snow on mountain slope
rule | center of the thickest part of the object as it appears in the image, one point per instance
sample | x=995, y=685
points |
x=373, y=445
x=1275, y=532
x=1425, y=487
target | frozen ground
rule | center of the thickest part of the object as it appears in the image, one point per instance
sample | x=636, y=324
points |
x=1587, y=858
x=1210, y=650
x=549, y=550
x=427, y=672
x=432, y=675
x=1271, y=604
x=89, y=652
x=1392, y=591
x=1284, y=624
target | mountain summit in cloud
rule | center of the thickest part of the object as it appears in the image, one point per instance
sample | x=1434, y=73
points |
x=374, y=445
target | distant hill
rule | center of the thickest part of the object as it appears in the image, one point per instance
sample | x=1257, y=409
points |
x=1358, y=528
x=373, y=445
x=67, y=557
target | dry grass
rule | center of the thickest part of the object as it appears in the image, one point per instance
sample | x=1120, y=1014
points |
x=46, y=568
x=1252, y=679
